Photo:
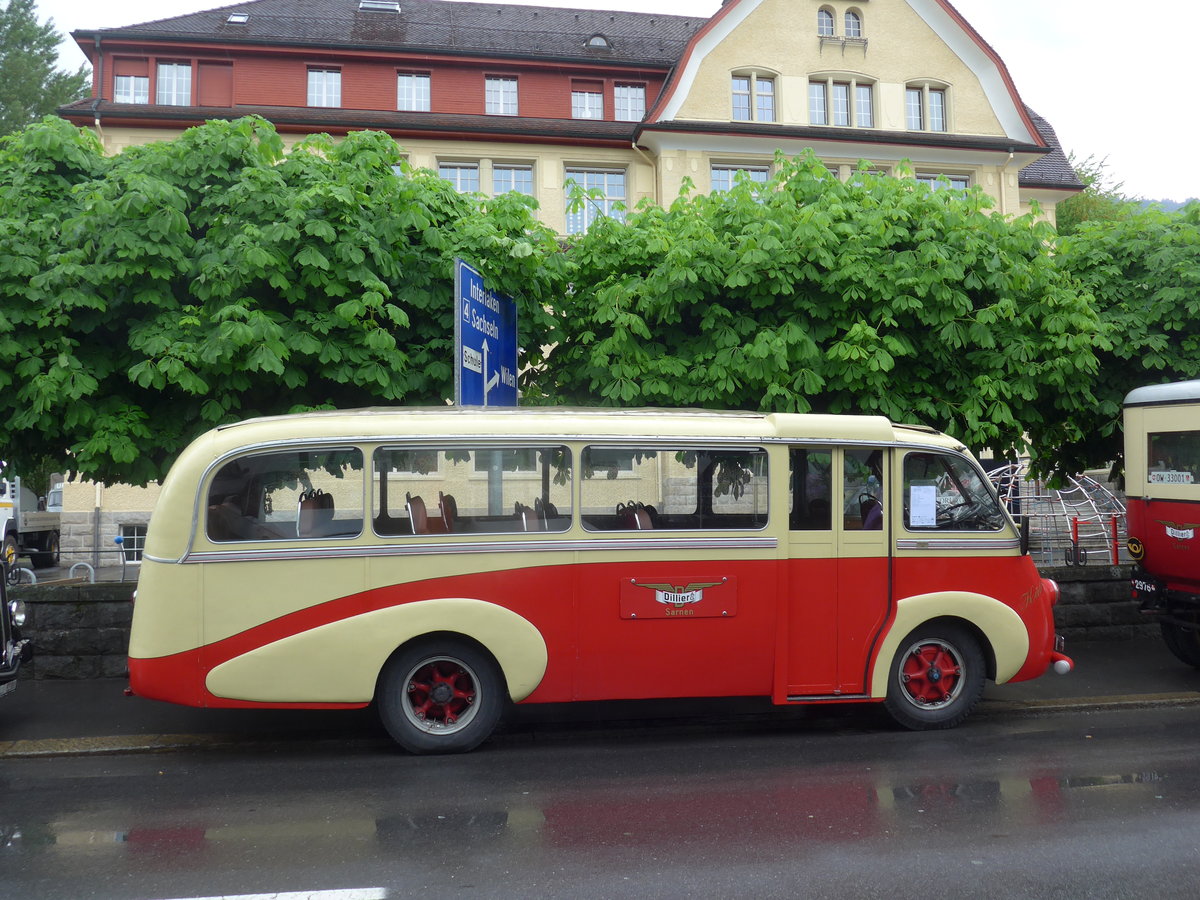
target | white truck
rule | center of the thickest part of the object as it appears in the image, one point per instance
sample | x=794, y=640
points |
x=30, y=524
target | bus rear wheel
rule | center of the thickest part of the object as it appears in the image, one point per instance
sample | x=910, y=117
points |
x=936, y=678
x=1183, y=642
x=440, y=697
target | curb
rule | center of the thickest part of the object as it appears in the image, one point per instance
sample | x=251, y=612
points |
x=162, y=743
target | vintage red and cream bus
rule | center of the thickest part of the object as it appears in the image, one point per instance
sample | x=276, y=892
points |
x=443, y=563
x=1162, y=484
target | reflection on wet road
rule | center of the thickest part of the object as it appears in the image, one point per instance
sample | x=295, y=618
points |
x=1075, y=805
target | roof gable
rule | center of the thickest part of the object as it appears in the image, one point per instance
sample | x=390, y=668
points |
x=945, y=22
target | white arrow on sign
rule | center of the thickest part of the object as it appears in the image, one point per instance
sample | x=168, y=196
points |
x=488, y=383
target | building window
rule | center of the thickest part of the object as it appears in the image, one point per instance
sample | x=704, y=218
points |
x=864, y=106
x=853, y=25
x=629, y=101
x=174, y=84
x=824, y=23
x=587, y=103
x=604, y=191
x=507, y=178
x=753, y=98
x=723, y=178
x=133, y=542
x=925, y=108
x=464, y=176
x=500, y=96
x=131, y=89
x=941, y=181
x=324, y=87
x=840, y=103
x=937, y=110
x=412, y=92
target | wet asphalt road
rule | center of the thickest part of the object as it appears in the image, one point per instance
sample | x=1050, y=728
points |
x=1067, y=804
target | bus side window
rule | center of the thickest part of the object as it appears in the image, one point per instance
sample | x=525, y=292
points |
x=862, y=490
x=812, y=490
x=287, y=495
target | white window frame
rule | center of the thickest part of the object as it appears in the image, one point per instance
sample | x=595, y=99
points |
x=752, y=96
x=174, y=84
x=853, y=23
x=413, y=91
x=500, y=95
x=133, y=542
x=723, y=176
x=856, y=106
x=131, y=89
x=462, y=174
x=587, y=104
x=825, y=22
x=944, y=180
x=926, y=107
x=324, y=87
x=629, y=102
x=609, y=203
x=520, y=178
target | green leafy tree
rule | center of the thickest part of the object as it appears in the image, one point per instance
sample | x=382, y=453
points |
x=1143, y=275
x=30, y=84
x=879, y=295
x=211, y=278
x=1101, y=200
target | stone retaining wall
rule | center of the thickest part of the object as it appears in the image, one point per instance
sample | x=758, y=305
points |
x=82, y=630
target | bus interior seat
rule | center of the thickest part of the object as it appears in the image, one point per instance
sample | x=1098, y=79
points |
x=449, y=509
x=641, y=518
x=314, y=513
x=530, y=520
x=417, y=515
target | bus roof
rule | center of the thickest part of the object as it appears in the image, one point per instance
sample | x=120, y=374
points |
x=1160, y=394
x=568, y=422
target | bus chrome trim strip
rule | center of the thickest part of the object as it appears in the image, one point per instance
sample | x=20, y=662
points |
x=426, y=549
x=960, y=544
x=815, y=698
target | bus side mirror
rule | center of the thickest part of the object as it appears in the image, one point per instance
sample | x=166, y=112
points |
x=1024, y=535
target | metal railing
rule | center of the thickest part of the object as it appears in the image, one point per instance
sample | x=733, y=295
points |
x=1080, y=523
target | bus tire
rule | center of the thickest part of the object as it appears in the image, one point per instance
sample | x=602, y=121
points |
x=440, y=696
x=1184, y=643
x=936, y=677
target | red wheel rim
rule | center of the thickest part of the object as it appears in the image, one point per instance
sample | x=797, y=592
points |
x=440, y=695
x=931, y=675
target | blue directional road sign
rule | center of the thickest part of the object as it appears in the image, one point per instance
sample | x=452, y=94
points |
x=485, y=342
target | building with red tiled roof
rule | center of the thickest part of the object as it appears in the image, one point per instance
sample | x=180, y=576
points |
x=501, y=97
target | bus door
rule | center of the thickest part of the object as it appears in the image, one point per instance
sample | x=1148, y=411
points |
x=837, y=584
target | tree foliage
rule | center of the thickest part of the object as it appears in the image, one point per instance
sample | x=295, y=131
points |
x=1142, y=273
x=1101, y=200
x=30, y=84
x=150, y=296
x=879, y=295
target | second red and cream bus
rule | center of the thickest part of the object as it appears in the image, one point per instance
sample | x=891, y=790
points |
x=1162, y=486
x=444, y=563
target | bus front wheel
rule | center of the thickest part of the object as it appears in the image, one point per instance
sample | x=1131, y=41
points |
x=440, y=697
x=936, y=677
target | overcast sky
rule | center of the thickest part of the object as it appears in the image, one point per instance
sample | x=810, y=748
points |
x=1110, y=88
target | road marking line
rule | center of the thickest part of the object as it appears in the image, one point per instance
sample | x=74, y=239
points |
x=337, y=894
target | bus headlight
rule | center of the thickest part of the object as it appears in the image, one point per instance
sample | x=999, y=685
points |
x=17, y=608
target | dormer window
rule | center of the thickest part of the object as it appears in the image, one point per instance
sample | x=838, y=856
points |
x=598, y=42
x=238, y=18
x=380, y=5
